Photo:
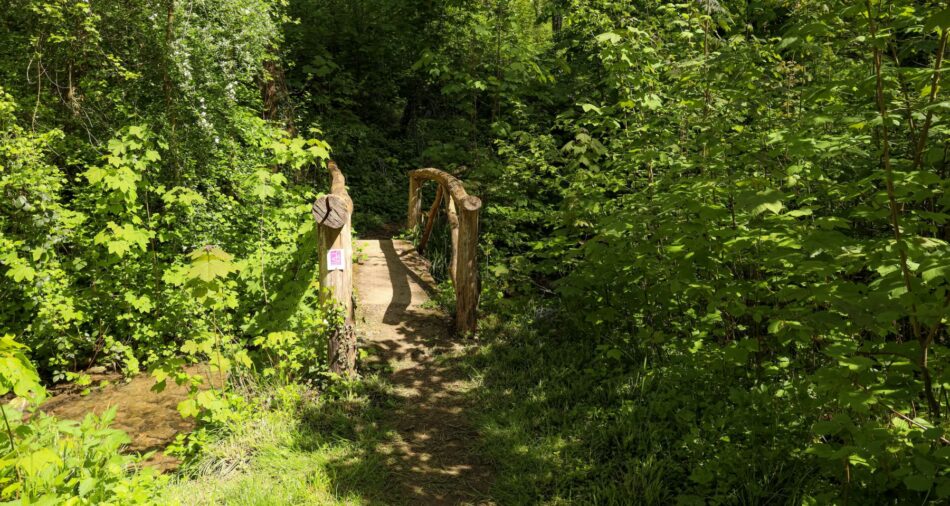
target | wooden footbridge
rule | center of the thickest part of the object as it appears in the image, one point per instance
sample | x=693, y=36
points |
x=333, y=213
x=429, y=444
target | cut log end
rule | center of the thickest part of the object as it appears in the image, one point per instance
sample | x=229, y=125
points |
x=331, y=211
x=472, y=203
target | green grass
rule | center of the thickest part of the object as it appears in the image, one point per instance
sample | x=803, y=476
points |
x=561, y=422
x=565, y=425
x=299, y=452
x=538, y=425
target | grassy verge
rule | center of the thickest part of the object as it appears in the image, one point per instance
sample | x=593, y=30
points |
x=300, y=451
x=566, y=423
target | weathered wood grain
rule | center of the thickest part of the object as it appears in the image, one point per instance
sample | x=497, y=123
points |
x=333, y=215
x=331, y=211
x=463, y=213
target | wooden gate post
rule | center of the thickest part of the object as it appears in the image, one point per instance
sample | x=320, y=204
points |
x=415, y=203
x=333, y=214
x=462, y=211
x=466, y=270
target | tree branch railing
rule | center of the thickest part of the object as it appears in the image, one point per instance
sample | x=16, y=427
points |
x=334, y=213
x=462, y=211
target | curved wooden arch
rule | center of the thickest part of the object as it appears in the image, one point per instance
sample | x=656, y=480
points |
x=462, y=210
x=450, y=183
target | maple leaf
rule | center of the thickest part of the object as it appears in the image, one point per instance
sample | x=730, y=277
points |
x=210, y=263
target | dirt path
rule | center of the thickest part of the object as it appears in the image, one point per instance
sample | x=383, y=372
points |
x=430, y=452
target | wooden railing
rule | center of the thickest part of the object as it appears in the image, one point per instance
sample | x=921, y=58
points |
x=334, y=213
x=462, y=211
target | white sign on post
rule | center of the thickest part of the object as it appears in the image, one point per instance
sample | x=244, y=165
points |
x=336, y=260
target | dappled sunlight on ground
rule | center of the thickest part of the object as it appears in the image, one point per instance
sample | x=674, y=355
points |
x=430, y=451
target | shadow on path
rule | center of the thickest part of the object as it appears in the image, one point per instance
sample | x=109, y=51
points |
x=429, y=443
x=399, y=279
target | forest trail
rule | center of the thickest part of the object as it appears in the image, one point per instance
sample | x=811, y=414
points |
x=430, y=448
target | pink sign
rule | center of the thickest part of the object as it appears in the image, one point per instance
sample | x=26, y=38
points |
x=336, y=260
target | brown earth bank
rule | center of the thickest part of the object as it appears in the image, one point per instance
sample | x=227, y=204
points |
x=150, y=418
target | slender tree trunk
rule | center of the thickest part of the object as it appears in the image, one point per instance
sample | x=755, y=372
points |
x=923, y=340
x=168, y=88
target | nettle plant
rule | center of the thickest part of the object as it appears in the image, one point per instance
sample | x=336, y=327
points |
x=49, y=461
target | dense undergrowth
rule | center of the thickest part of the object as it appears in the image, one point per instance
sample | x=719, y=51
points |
x=153, y=217
x=567, y=426
x=714, y=246
x=736, y=217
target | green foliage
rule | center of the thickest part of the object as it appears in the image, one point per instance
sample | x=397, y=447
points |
x=49, y=461
x=17, y=374
x=150, y=219
x=750, y=197
x=724, y=189
x=576, y=424
x=288, y=357
x=107, y=185
x=293, y=450
x=736, y=213
x=67, y=462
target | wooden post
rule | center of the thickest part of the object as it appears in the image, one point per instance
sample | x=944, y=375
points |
x=466, y=275
x=415, y=203
x=453, y=219
x=333, y=214
x=463, y=215
x=430, y=220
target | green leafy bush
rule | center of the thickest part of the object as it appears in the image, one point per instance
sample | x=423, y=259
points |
x=67, y=462
x=48, y=461
x=735, y=206
x=108, y=188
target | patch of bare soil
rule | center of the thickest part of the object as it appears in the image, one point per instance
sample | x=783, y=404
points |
x=431, y=451
x=150, y=418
